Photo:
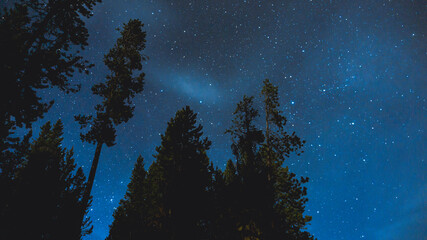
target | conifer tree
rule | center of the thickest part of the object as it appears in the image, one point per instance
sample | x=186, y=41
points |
x=156, y=212
x=278, y=143
x=230, y=175
x=245, y=135
x=287, y=194
x=123, y=83
x=226, y=217
x=271, y=200
x=180, y=179
x=40, y=45
x=130, y=218
x=247, y=139
x=40, y=48
x=48, y=194
x=10, y=163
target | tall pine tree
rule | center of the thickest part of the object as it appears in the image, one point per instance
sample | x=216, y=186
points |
x=47, y=199
x=278, y=143
x=130, y=218
x=180, y=180
x=122, y=84
x=271, y=200
x=247, y=139
x=286, y=193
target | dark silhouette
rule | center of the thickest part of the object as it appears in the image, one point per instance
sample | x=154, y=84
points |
x=181, y=177
x=224, y=214
x=130, y=218
x=252, y=188
x=47, y=195
x=183, y=196
x=11, y=162
x=117, y=92
x=40, y=45
x=287, y=196
x=40, y=48
x=176, y=188
x=270, y=200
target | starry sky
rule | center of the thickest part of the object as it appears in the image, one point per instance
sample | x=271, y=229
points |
x=352, y=83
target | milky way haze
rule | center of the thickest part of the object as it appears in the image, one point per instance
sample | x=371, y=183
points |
x=352, y=82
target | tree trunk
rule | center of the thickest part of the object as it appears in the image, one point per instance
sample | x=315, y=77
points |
x=91, y=178
x=267, y=120
x=267, y=137
x=267, y=130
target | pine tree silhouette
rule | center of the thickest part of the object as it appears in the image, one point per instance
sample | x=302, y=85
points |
x=186, y=177
x=40, y=46
x=285, y=195
x=183, y=196
x=270, y=199
x=117, y=92
x=247, y=139
x=48, y=194
x=173, y=200
x=130, y=218
x=225, y=201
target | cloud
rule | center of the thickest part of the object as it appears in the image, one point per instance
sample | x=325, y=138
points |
x=192, y=85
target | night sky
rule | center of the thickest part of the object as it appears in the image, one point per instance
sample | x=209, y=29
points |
x=352, y=83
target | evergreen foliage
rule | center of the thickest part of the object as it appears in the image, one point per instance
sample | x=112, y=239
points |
x=176, y=190
x=122, y=84
x=40, y=46
x=288, y=196
x=277, y=141
x=226, y=204
x=184, y=178
x=47, y=199
x=251, y=185
x=183, y=196
x=130, y=218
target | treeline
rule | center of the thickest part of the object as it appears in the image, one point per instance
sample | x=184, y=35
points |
x=183, y=196
x=45, y=195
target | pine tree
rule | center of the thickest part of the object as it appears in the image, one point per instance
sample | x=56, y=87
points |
x=227, y=190
x=270, y=199
x=117, y=92
x=278, y=143
x=48, y=195
x=10, y=163
x=130, y=218
x=180, y=179
x=40, y=48
x=285, y=192
x=289, y=219
x=230, y=175
x=245, y=135
x=40, y=45
x=156, y=211
x=247, y=140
